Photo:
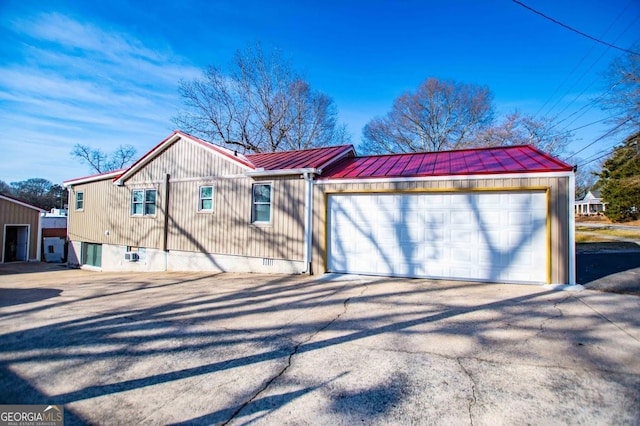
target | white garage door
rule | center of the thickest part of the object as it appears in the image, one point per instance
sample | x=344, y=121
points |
x=482, y=236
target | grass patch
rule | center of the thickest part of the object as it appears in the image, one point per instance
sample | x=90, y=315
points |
x=623, y=233
x=584, y=238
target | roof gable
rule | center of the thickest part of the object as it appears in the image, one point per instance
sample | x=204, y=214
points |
x=176, y=136
x=478, y=161
x=592, y=195
x=20, y=203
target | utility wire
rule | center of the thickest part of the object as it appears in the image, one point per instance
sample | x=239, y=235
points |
x=599, y=138
x=575, y=30
x=584, y=58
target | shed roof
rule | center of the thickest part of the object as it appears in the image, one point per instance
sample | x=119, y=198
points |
x=20, y=203
x=477, y=161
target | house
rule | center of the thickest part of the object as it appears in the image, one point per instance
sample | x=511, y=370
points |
x=591, y=204
x=492, y=214
x=21, y=231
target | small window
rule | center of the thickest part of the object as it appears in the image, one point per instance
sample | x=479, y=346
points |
x=205, y=199
x=261, y=211
x=143, y=202
x=79, y=200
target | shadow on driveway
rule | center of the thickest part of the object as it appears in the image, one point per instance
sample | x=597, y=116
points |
x=612, y=267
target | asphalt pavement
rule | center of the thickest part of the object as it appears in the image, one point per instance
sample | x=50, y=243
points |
x=169, y=348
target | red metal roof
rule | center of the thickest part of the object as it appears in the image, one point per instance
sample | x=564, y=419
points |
x=309, y=158
x=478, y=161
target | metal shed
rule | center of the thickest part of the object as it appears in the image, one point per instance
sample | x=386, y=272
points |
x=21, y=231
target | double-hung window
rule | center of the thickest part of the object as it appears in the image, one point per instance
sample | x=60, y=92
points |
x=79, y=200
x=205, y=199
x=261, y=203
x=143, y=202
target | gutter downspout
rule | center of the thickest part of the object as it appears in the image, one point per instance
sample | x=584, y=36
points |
x=165, y=224
x=308, y=216
x=572, y=229
x=39, y=243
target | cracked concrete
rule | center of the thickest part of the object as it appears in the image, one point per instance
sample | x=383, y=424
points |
x=238, y=349
x=473, y=399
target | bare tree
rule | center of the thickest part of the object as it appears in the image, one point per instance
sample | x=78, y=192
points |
x=261, y=105
x=101, y=162
x=622, y=97
x=439, y=115
x=519, y=129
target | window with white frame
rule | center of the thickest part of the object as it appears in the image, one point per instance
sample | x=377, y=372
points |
x=261, y=203
x=80, y=200
x=205, y=199
x=143, y=202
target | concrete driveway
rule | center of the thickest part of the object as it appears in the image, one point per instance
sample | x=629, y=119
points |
x=233, y=349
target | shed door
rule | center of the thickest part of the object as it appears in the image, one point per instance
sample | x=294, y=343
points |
x=479, y=236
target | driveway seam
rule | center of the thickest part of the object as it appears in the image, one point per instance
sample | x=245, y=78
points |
x=606, y=318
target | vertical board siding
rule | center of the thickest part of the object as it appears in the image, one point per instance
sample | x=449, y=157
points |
x=227, y=230
x=559, y=215
x=15, y=214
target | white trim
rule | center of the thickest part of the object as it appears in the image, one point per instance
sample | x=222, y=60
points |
x=283, y=172
x=39, y=241
x=201, y=179
x=199, y=198
x=75, y=202
x=308, y=221
x=21, y=203
x=4, y=239
x=572, y=229
x=94, y=178
x=332, y=181
x=262, y=222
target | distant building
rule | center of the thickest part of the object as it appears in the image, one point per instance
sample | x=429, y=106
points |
x=20, y=227
x=590, y=205
x=54, y=235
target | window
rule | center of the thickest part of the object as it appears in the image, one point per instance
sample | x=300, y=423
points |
x=205, y=199
x=79, y=200
x=92, y=254
x=143, y=202
x=261, y=211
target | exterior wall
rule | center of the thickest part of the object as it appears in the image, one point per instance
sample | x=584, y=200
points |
x=227, y=231
x=558, y=226
x=155, y=260
x=16, y=214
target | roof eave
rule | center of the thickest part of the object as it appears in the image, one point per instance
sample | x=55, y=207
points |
x=93, y=178
x=21, y=203
x=284, y=172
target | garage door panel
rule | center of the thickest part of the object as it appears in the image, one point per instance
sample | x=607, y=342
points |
x=495, y=236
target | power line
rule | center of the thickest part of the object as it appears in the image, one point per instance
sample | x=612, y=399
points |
x=575, y=30
x=584, y=58
x=599, y=138
x=607, y=152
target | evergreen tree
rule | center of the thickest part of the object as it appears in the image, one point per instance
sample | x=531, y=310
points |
x=620, y=181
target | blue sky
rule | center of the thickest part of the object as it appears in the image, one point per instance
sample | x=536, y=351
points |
x=106, y=73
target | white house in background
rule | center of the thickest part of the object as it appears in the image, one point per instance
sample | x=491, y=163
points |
x=590, y=205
